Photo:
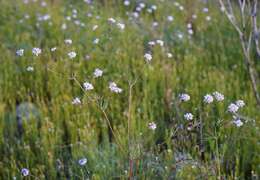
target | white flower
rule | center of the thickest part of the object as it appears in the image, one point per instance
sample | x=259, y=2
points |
x=180, y=35
x=170, y=18
x=188, y=116
x=77, y=22
x=88, y=86
x=96, y=41
x=120, y=26
x=82, y=161
x=184, y=97
x=43, y=4
x=20, y=52
x=160, y=42
x=82, y=24
x=208, y=99
x=152, y=126
x=64, y=26
x=240, y=103
x=142, y=5
x=44, y=17
x=25, y=172
x=190, y=31
x=68, y=41
x=53, y=49
x=98, y=73
x=89, y=14
x=74, y=11
x=94, y=27
x=29, y=69
x=76, y=101
x=126, y=3
x=155, y=24
x=68, y=18
x=151, y=43
x=88, y=1
x=148, y=57
x=194, y=16
x=233, y=108
x=26, y=16
x=72, y=54
x=87, y=57
x=138, y=9
x=169, y=55
x=176, y=4
x=205, y=10
x=113, y=87
x=218, y=96
x=111, y=20
x=208, y=18
x=135, y=14
x=36, y=51
x=238, y=122
x=154, y=7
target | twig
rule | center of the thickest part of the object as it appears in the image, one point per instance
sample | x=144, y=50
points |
x=255, y=28
x=245, y=43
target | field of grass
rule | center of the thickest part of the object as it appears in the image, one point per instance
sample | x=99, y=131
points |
x=120, y=108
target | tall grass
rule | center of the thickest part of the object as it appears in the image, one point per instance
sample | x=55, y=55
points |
x=111, y=130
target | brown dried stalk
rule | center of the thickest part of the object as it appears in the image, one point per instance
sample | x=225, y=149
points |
x=246, y=41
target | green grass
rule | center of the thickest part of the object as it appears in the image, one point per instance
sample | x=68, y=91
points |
x=58, y=134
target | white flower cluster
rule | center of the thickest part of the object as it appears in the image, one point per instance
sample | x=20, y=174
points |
x=240, y=103
x=53, y=49
x=68, y=41
x=20, y=52
x=113, y=87
x=148, y=57
x=218, y=96
x=121, y=26
x=98, y=73
x=72, y=54
x=44, y=17
x=118, y=24
x=76, y=101
x=238, y=122
x=36, y=51
x=184, y=97
x=30, y=69
x=88, y=86
x=160, y=42
x=190, y=30
x=188, y=116
x=152, y=126
x=208, y=99
x=126, y=2
x=234, y=107
x=170, y=18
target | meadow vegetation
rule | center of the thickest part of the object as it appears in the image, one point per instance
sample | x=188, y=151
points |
x=154, y=89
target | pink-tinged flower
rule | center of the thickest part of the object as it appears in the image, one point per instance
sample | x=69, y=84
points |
x=152, y=126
